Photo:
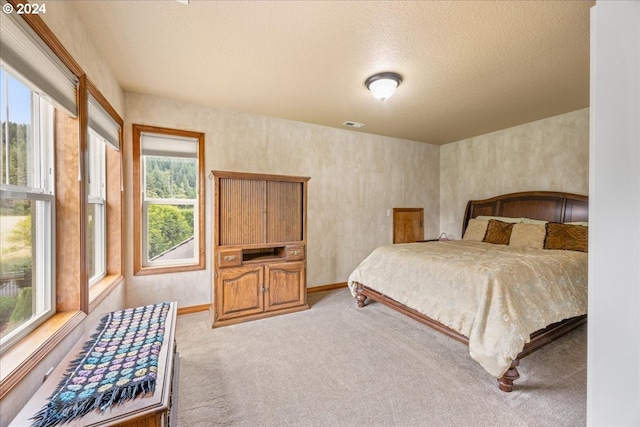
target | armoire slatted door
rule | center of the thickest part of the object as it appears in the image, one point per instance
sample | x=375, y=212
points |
x=259, y=253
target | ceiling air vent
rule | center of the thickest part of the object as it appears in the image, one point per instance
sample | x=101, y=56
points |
x=353, y=124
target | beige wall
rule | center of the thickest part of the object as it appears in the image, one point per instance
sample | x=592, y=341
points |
x=550, y=154
x=355, y=179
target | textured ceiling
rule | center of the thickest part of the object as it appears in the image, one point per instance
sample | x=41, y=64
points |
x=468, y=67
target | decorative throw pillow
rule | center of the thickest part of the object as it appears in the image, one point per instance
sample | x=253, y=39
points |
x=528, y=236
x=498, y=232
x=476, y=229
x=567, y=236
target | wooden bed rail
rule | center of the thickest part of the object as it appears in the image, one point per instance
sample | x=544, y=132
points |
x=538, y=339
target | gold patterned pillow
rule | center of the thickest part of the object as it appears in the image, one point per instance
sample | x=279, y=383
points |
x=476, y=229
x=567, y=237
x=498, y=232
x=528, y=236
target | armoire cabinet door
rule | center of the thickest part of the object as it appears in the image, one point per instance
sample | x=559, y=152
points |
x=285, y=214
x=241, y=210
x=284, y=286
x=239, y=292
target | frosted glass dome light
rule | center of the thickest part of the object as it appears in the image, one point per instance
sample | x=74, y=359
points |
x=383, y=85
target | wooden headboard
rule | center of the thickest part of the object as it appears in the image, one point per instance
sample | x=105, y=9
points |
x=543, y=205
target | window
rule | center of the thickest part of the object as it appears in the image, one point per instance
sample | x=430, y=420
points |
x=103, y=145
x=168, y=174
x=27, y=291
x=38, y=114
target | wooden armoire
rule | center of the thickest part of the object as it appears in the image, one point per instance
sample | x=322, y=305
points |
x=259, y=254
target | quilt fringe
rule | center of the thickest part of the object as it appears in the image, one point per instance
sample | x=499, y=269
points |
x=54, y=414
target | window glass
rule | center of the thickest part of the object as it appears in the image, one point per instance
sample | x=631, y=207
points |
x=17, y=130
x=170, y=196
x=96, y=209
x=26, y=209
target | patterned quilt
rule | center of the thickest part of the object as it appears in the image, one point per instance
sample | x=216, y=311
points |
x=495, y=295
x=118, y=363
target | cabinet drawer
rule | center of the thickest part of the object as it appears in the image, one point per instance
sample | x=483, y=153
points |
x=294, y=253
x=230, y=258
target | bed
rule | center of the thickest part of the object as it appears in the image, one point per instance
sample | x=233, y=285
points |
x=514, y=283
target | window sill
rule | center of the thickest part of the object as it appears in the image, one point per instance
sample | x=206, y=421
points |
x=25, y=355
x=99, y=291
x=143, y=271
x=22, y=357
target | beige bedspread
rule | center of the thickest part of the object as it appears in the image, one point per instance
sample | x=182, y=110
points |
x=495, y=295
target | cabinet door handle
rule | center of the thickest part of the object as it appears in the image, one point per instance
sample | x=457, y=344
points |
x=229, y=257
x=295, y=252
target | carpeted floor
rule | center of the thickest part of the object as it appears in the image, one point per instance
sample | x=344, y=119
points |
x=337, y=365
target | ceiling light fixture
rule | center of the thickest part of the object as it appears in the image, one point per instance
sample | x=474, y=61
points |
x=383, y=85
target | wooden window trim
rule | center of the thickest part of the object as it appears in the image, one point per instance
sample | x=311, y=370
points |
x=70, y=257
x=138, y=269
